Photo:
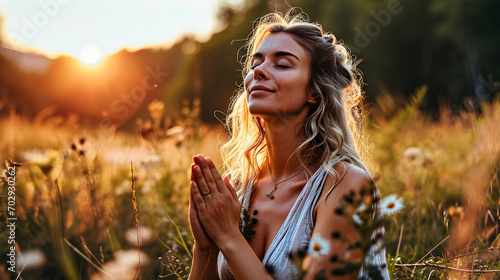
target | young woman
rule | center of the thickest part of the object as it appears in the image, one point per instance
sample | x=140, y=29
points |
x=291, y=156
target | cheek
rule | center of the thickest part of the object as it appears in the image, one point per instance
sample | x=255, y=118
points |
x=297, y=83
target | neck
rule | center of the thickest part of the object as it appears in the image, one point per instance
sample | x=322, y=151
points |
x=283, y=136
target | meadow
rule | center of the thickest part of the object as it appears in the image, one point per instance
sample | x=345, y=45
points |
x=105, y=204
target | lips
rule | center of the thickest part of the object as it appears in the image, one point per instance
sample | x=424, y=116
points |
x=260, y=89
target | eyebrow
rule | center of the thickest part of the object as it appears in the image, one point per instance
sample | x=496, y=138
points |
x=277, y=54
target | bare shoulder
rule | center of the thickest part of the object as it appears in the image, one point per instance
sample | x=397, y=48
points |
x=355, y=178
x=351, y=180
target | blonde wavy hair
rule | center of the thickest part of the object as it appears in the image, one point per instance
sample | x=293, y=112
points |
x=334, y=127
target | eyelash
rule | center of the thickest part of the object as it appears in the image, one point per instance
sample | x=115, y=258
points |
x=276, y=65
x=282, y=66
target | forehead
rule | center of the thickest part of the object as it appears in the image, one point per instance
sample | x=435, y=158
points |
x=281, y=42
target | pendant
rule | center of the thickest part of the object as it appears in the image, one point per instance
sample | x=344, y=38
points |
x=270, y=195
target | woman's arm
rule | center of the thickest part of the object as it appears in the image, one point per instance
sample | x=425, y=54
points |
x=242, y=260
x=336, y=230
x=205, y=252
x=219, y=213
x=204, y=265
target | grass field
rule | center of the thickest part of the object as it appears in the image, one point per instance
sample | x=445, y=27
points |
x=79, y=213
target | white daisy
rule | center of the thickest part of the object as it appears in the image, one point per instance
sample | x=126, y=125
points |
x=145, y=235
x=31, y=259
x=391, y=204
x=44, y=159
x=318, y=246
x=360, y=215
x=151, y=161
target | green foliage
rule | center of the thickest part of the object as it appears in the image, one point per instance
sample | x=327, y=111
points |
x=247, y=223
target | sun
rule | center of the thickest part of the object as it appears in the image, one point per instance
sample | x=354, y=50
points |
x=90, y=54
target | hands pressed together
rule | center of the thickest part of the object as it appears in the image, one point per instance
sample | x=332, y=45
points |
x=214, y=208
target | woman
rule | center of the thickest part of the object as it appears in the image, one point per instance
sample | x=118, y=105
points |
x=291, y=156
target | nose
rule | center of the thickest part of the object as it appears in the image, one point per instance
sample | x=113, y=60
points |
x=260, y=72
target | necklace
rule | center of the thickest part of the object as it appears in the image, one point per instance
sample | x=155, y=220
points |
x=270, y=195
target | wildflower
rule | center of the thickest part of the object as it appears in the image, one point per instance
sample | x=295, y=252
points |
x=145, y=235
x=391, y=204
x=151, y=161
x=357, y=219
x=130, y=258
x=416, y=156
x=31, y=259
x=123, y=267
x=156, y=109
x=318, y=246
x=44, y=159
x=177, y=134
x=360, y=216
x=123, y=156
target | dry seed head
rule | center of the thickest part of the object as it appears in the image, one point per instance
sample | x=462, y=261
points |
x=456, y=212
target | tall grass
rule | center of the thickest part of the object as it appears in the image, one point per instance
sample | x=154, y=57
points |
x=447, y=172
x=74, y=193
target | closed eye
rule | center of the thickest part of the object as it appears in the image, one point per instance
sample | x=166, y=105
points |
x=254, y=66
x=281, y=66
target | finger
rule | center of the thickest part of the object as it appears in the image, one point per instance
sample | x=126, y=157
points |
x=230, y=188
x=191, y=199
x=207, y=173
x=193, y=210
x=198, y=199
x=200, y=181
x=215, y=174
x=192, y=171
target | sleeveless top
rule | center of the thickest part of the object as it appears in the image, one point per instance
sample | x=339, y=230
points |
x=295, y=233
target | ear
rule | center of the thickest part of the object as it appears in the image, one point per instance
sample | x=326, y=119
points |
x=311, y=96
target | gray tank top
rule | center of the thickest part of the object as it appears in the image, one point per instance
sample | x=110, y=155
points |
x=295, y=233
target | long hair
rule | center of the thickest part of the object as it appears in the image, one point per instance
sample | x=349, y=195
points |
x=334, y=127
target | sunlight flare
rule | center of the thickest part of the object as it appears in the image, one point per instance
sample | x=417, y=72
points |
x=90, y=54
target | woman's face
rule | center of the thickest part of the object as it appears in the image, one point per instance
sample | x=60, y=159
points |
x=278, y=84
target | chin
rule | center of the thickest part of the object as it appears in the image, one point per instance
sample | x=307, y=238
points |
x=259, y=113
x=258, y=108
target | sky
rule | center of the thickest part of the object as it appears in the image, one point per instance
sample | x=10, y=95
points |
x=90, y=29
